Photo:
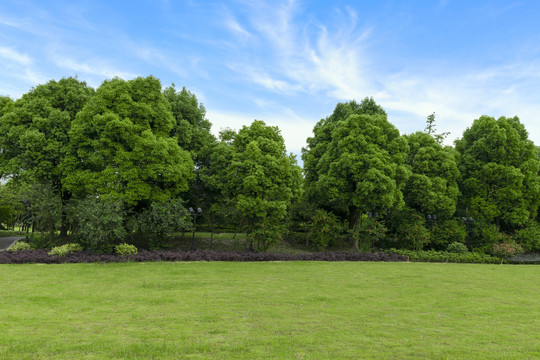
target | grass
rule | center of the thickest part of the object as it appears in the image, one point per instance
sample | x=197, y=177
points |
x=279, y=310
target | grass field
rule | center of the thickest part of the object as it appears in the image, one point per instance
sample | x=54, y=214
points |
x=279, y=310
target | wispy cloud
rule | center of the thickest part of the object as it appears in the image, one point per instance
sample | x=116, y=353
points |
x=15, y=56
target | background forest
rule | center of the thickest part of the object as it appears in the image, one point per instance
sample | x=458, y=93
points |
x=124, y=163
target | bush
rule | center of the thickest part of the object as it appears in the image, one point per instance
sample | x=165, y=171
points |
x=446, y=232
x=125, y=249
x=444, y=256
x=41, y=256
x=529, y=238
x=457, y=247
x=20, y=246
x=65, y=249
x=325, y=229
x=98, y=223
x=506, y=249
x=266, y=235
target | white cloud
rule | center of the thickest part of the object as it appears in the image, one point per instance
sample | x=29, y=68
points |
x=15, y=56
x=97, y=67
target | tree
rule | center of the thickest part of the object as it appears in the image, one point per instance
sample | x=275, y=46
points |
x=121, y=148
x=430, y=129
x=191, y=127
x=499, y=167
x=432, y=187
x=35, y=134
x=362, y=166
x=257, y=174
x=318, y=144
x=192, y=131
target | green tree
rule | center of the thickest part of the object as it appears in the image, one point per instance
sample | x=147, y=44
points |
x=362, y=167
x=432, y=188
x=121, y=146
x=257, y=174
x=35, y=135
x=192, y=131
x=430, y=129
x=499, y=167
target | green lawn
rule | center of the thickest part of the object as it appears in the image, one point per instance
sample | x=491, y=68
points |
x=279, y=310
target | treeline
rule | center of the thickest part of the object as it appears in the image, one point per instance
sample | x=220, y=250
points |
x=129, y=158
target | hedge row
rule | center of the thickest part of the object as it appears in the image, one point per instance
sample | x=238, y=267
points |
x=444, y=256
x=42, y=257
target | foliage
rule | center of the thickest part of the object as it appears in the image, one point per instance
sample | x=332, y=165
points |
x=432, y=188
x=411, y=230
x=255, y=173
x=191, y=127
x=35, y=134
x=499, y=167
x=446, y=232
x=121, y=147
x=457, y=247
x=430, y=129
x=506, y=249
x=98, y=223
x=65, y=249
x=325, y=229
x=20, y=246
x=357, y=162
x=164, y=218
x=125, y=249
x=444, y=256
x=529, y=237
x=42, y=256
x=266, y=234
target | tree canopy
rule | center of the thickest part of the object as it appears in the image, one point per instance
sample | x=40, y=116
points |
x=499, y=172
x=120, y=145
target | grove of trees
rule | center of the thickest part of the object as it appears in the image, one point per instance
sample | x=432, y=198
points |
x=124, y=162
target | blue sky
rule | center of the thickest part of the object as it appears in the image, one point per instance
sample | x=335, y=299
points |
x=290, y=62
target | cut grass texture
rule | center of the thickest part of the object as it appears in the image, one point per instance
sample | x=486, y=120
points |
x=276, y=310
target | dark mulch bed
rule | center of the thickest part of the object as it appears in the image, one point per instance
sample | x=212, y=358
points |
x=41, y=257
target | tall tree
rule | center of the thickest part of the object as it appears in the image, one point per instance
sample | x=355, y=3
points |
x=256, y=172
x=363, y=166
x=121, y=145
x=318, y=144
x=192, y=131
x=35, y=134
x=499, y=167
x=432, y=187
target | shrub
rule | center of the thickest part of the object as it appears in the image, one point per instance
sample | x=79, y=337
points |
x=65, y=249
x=529, y=238
x=325, y=229
x=125, y=249
x=98, y=223
x=20, y=246
x=446, y=232
x=457, y=247
x=266, y=235
x=40, y=256
x=444, y=256
x=506, y=249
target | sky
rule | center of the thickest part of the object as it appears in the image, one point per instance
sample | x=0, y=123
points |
x=290, y=62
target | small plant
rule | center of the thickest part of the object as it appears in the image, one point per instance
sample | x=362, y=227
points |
x=65, y=249
x=20, y=246
x=506, y=249
x=125, y=249
x=457, y=247
x=325, y=229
